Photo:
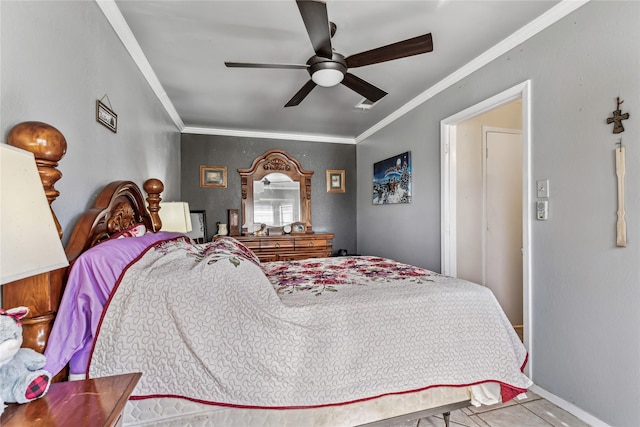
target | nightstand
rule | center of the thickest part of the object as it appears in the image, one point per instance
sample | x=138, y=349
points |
x=94, y=402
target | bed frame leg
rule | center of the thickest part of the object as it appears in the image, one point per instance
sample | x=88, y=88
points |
x=446, y=416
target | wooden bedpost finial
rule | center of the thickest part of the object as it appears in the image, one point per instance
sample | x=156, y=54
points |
x=153, y=188
x=48, y=145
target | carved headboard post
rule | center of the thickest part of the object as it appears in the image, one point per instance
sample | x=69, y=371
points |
x=153, y=187
x=48, y=145
x=42, y=292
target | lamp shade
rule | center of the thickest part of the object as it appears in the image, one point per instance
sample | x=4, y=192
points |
x=29, y=238
x=327, y=77
x=175, y=216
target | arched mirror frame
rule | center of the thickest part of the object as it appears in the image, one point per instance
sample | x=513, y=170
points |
x=275, y=161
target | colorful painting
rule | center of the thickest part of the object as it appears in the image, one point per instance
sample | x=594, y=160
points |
x=392, y=180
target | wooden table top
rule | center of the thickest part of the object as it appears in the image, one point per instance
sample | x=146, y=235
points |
x=93, y=402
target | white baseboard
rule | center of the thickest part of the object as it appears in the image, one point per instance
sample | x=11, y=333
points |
x=569, y=407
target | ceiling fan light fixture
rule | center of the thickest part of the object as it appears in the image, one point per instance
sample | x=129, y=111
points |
x=327, y=77
x=327, y=72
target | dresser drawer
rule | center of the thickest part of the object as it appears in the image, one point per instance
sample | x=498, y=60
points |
x=251, y=243
x=310, y=242
x=289, y=247
x=266, y=257
x=313, y=253
x=276, y=243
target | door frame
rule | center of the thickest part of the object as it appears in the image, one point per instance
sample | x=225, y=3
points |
x=448, y=212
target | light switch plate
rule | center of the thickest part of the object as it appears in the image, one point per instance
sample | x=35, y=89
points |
x=542, y=186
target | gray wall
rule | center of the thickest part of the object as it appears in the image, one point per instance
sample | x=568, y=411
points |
x=330, y=212
x=58, y=57
x=585, y=291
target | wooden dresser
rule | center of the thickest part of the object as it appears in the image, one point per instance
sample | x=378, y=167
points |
x=289, y=247
x=94, y=402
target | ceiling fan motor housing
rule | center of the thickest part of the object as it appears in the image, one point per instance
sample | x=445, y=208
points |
x=327, y=72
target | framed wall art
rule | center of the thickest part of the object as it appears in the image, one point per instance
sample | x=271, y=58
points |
x=106, y=117
x=392, y=180
x=213, y=176
x=335, y=181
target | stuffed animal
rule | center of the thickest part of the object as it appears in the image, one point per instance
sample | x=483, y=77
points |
x=21, y=377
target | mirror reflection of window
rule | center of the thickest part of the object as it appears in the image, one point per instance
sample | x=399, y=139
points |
x=276, y=200
x=263, y=213
x=286, y=214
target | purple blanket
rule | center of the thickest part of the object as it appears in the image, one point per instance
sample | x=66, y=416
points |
x=91, y=279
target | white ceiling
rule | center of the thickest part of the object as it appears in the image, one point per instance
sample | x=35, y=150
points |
x=187, y=42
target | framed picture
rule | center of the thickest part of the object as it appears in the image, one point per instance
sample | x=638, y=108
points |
x=106, y=117
x=392, y=180
x=213, y=176
x=234, y=221
x=198, y=226
x=335, y=181
x=297, y=228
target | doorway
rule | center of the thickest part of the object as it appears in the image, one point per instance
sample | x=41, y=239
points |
x=502, y=225
x=458, y=241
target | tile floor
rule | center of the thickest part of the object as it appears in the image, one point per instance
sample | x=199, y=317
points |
x=533, y=411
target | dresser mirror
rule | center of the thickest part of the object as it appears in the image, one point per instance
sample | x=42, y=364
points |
x=276, y=191
x=276, y=200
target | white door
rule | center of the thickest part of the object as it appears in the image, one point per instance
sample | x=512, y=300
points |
x=503, y=219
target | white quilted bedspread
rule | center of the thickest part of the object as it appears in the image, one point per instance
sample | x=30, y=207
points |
x=205, y=323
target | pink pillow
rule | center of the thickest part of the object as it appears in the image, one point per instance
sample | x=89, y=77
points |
x=137, y=230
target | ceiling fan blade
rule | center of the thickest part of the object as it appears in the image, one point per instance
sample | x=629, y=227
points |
x=316, y=20
x=365, y=89
x=259, y=65
x=410, y=47
x=301, y=94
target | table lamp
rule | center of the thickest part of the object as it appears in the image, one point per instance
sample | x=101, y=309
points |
x=29, y=239
x=175, y=216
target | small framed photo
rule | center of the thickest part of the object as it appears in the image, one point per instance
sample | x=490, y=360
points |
x=297, y=228
x=213, y=176
x=106, y=117
x=335, y=181
x=234, y=221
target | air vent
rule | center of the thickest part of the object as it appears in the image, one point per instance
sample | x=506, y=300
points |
x=365, y=104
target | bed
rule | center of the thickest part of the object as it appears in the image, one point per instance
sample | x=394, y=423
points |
x=285, y=343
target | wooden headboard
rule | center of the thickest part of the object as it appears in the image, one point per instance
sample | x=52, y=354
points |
x=118, y=206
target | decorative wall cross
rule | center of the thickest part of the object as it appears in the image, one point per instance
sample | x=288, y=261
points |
x=617, y=118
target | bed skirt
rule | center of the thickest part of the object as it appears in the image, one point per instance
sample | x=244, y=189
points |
x=173, y=412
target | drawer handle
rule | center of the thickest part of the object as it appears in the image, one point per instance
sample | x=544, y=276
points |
x=277, y=245
x=310, y=244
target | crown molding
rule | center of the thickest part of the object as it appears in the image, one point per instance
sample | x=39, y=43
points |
x=534, y=27
x=115, y=18
x=120, y=26
x=268, y=135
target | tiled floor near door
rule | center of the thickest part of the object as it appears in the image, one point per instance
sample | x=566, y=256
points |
x=533, y=411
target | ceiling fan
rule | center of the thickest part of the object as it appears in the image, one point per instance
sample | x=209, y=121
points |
x=328, y=68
